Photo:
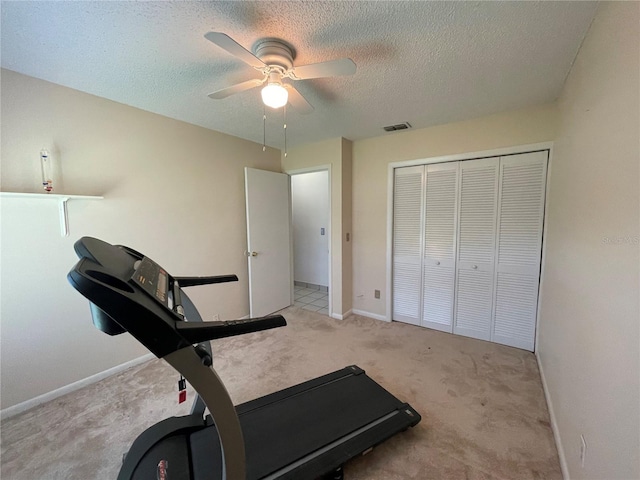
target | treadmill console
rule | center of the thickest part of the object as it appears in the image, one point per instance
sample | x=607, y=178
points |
x=153, y=279
x=130, y=292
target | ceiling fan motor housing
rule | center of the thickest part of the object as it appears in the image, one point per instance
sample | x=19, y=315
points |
x=275, y=54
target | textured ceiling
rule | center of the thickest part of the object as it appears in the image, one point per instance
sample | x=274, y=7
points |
x=426, y=63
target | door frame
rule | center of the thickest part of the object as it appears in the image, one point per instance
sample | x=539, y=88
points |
x=299, y=171
x=516, y=149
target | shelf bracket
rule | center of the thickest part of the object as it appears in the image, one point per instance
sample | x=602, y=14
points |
x=64, y=216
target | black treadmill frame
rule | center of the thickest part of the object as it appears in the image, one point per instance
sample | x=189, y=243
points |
x=104, y=275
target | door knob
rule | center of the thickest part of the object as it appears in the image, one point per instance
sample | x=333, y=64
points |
x=475, y=267
x=437, y=263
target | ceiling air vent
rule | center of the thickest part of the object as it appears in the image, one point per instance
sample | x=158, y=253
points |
x=400, y=126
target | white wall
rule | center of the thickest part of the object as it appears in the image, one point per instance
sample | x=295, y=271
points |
x=172, y=190
x=310, y=212
x=371, y=158
x=589, y=341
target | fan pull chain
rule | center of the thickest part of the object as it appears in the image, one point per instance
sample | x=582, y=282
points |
x=264, y=129
x=284, y=111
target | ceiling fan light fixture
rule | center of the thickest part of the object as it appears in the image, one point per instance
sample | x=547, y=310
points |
x=274, y=95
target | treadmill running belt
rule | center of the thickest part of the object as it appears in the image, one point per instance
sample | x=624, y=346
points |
x=276, y=434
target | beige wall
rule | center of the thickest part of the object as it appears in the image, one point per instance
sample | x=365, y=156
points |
x=589, y=324
x=172, y=190
x=347, y=222
x=371, y=158
x=334, y=152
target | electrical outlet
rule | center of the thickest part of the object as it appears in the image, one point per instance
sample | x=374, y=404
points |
x=376, y=293
x=216, y=317
x=583, y=450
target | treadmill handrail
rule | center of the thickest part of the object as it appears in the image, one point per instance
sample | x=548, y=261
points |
x=194, y=281
x=203, y=331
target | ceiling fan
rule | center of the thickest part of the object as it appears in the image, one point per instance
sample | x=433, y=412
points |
x=274, y=59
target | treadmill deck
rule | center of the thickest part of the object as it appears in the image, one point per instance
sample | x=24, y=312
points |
x=310, y=429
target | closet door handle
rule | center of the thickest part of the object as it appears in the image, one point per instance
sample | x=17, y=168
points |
x=475, y=267
x=437, y=263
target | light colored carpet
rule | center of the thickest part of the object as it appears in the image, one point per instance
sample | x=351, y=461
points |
x=483, y=410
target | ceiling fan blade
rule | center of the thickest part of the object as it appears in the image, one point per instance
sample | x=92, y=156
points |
x=234, y=48
x=332, y=68
x=237, y=88
x=297, y=101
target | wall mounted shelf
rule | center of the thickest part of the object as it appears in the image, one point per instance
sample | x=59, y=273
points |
x=62, y=200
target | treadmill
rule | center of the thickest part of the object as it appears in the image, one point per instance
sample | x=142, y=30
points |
x=306, y=431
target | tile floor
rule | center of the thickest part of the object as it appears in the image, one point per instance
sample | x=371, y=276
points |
x=311, y=299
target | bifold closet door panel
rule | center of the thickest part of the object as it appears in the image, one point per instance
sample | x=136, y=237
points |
x=408, y=213
x=440, y=227
x=476, y=247
x=519, y=247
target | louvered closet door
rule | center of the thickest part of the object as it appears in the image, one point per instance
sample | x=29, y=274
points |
x=408, y=201
x=440, y=226
x=519, y=247
x=476, y=247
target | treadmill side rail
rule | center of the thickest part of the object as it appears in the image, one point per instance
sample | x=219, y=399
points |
x=350, y=447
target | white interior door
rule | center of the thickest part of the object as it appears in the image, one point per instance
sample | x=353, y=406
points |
x=467, y=244
x=268, y=200
x=408, y=217
x=440, y=228
x=519, y=247
x=476, y=247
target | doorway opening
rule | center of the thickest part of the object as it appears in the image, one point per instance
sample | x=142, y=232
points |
x=310, y=222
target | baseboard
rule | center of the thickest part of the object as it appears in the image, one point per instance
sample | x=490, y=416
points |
x=375, y=316
x=72, y=387
x=337, y=316
x=554, y=424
